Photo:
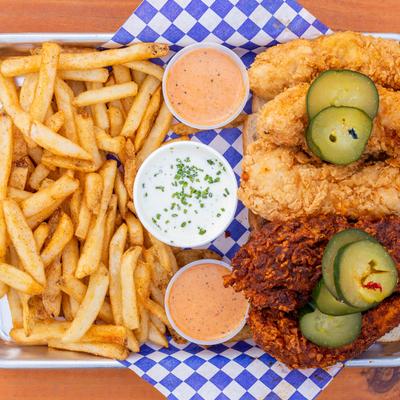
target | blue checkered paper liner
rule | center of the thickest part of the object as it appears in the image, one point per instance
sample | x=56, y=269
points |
x=238, y=370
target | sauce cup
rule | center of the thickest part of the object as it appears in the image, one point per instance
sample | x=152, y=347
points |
x=243, y=313
x=244, y=77
x=185, y=194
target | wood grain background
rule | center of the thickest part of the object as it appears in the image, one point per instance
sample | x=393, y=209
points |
x=107, y=16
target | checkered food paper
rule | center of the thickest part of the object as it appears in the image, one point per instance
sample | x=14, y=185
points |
x=238, y=370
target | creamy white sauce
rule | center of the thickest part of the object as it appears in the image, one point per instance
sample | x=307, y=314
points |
x=186, y=195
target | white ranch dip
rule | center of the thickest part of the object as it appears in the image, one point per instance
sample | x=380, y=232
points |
x=185, y=194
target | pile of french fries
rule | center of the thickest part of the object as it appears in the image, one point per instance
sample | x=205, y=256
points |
x=79, y=270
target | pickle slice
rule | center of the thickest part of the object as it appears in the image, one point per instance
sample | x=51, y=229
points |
x=342, y=88
x=340, y=134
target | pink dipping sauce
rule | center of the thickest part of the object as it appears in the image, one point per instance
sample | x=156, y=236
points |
x=200, y=305
x=205, y=87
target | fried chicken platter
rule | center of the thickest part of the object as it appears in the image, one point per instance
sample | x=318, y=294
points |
x=321, y=179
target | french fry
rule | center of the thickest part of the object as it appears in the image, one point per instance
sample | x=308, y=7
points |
x=138, y=76
x=108, y=143
x=140, y=103
x=44, y=198
x=122, y=74
x=156, y=337
x=77, y=87
x=116, y=118
x=41, y=172
x=20, y=148
x=51, y=161
x=158, y=324
x=108, y=172
x=17, y=194
x=52, y=295
x=93, y=191
x=70, y=256
x=56, y=143
x=130, y=167
x=76, y=289
x=88, y=139
x=91, y=250
x=61, y=236
x=184, y=130
x=115, y=103
x=99, y=110
x=157, y=133
x=142, y=280
x=6, y=150
x=14, y=303
x=142, y=333
x=90, y=306
x=64, y=98
x=9, y=100
x=157, y=310
x=84, y=221
x=160, y=277
x=45, y=85
x=122, y=194
x=66, y=307
x=19, y=174
x=75, y=205
x=28, y=317
x=50, y=329
x=135, y=230
x=99, y=349
x=27, y=92
x=184, y=257
x=88, y=60
x=130, y=315
x=34, y=221
x=19, y=280
x=3, y=289
x=55, y=121
x=90, y=75
x=132, y=343
x=23, y=241
x=117, y=246
x=35, y=153
x=106, y=94
x=147, y=67
x=109, y=228
x=148, y=119
x=165, y=255
x=40, y=235
x=156, y=293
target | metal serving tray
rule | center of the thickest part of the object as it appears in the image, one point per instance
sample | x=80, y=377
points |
x=13, y=356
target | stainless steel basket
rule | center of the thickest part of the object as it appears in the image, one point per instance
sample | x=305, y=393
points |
x=13, y=356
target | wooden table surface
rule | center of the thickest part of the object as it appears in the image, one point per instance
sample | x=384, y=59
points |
x=107, y=16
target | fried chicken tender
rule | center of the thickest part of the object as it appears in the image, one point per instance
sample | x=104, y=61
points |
x=279, y=335
x=289, y=64
x=283, y=183
x=280, y=264
x=283, y=122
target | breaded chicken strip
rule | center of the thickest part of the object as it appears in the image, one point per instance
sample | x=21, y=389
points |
x=279, y=335
x=280, y=264
x=283, y=122
x=289, y=64
x=282, y=183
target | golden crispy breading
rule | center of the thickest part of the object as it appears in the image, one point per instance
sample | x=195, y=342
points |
x=282, y=183
x=283, y=122
x=279, y=335
x=289, y=64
